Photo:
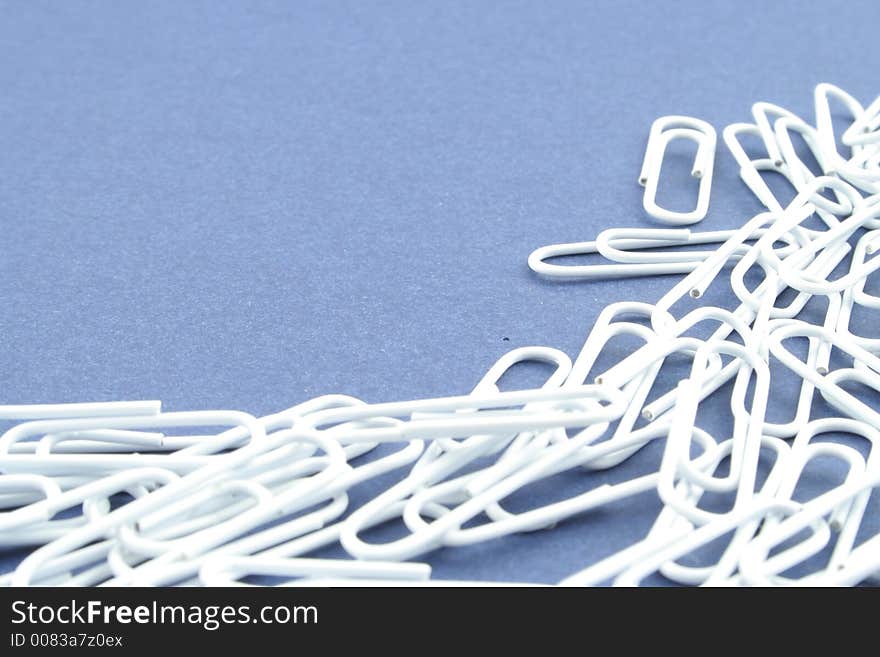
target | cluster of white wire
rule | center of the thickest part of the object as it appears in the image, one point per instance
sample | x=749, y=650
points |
x=261, y=496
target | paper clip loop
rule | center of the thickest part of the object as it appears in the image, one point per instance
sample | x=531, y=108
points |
x=664, y=130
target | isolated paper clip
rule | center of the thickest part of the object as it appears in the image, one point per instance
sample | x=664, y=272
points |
x=663, y=131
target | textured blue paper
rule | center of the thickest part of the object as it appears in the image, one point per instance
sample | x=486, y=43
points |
x=244, y=205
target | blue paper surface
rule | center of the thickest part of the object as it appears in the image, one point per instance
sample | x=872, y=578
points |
x=245, y=205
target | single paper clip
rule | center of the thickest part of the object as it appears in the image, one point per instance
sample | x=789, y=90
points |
x=663, y=131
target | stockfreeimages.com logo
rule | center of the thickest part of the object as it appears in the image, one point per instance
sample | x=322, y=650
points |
x=210, y=617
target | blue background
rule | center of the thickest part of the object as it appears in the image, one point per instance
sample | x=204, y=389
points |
x=245, y=205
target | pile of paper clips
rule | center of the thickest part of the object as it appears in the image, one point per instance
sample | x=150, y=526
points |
x=261, y=496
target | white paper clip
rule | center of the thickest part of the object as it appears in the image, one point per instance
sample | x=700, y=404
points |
x=664, y=130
